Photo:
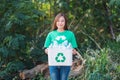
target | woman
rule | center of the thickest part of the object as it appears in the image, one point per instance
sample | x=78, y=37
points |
x=60, y=36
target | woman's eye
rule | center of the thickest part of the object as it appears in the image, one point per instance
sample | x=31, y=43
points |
x=61, y=21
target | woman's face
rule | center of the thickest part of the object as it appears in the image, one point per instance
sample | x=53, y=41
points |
x=60, y=23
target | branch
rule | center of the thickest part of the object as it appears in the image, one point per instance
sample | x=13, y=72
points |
x=110, y=21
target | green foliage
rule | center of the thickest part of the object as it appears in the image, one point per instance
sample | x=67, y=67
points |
x=19, y=26
x=97, y=65
x=114, y=50
x=11, y=69
x=14, y=66
x=39, y=77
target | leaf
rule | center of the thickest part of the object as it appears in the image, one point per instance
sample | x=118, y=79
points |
x=4, y=75
x=4, y=52
x=8, y=26
x=7, y=39
x=118, y=2
x=15, y=66
x=15, y=42
x=112, y=2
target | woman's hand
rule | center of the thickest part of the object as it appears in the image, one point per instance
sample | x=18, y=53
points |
x=46, y=51
x=74, y=51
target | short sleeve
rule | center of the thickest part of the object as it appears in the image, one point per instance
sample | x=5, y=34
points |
x=47, y=41
x=73, y=41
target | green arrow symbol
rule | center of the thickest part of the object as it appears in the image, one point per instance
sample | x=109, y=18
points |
x=60, y=57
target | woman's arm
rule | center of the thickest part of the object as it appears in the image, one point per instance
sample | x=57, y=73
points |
x=74, y=51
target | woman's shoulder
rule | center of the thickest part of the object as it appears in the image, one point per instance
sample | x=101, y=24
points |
x=69, y=31
x=52, y=32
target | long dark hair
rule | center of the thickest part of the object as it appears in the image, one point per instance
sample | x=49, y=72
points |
x=54, y=27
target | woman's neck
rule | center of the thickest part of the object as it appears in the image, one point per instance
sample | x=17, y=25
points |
x=60, y=30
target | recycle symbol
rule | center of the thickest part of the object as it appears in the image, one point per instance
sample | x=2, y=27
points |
x=60, y=57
